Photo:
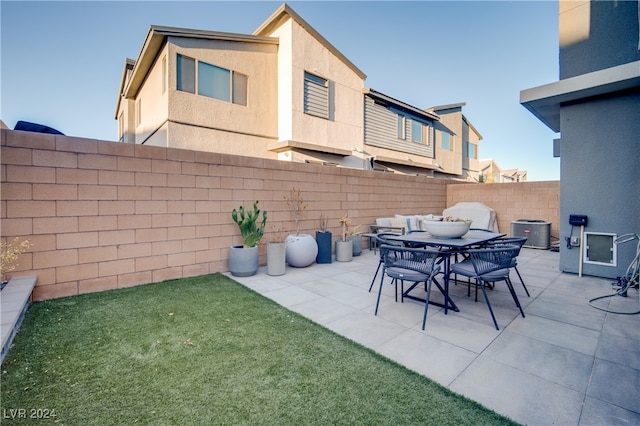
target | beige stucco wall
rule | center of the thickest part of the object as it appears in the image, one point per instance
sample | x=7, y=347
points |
x=451, y=160
x=154, y=103
x=180, y=119
x=471, y=166
x=300, y=52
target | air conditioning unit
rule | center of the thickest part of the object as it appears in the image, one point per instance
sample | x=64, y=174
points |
x=537, y=232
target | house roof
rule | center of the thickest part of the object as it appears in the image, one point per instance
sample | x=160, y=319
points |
x=458, y=105
x=285, y=12
x=440, y=109
x=545, y=101
x=381, y=97
x=128, y=66
x=155, y=40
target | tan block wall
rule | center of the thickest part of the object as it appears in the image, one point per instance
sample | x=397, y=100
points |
x=105, y=215
x=514, y=201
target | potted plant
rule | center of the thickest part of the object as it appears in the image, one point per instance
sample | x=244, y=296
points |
x=302, y=249
x=9, y=254
x=243, y=259
x=323, y=238
x=276, y=253
x=344, y=247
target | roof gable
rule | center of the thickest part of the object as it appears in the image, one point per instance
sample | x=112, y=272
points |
x=285, y=13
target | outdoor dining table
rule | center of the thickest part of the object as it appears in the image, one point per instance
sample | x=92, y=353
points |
x=446, y=247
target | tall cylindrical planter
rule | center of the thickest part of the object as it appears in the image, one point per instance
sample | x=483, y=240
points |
x=243, y=261
x=324, y=247
x=344, y=251
x=302, y=250
x=276, y=258
x=357, y=244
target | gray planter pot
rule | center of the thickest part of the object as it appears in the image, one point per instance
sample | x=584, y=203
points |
x=276, y=258
x=344, y=251
x=243, y=261
x=357, y=244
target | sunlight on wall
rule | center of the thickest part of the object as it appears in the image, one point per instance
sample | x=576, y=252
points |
x=574, y=20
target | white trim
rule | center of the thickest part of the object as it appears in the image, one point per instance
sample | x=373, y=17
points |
x=544, y=101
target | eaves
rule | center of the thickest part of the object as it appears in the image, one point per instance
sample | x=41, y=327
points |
x=545, y=101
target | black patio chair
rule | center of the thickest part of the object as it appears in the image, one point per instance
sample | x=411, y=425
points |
x=409, y=264
x=490, y=265
x=380, y=240
x=516, y=241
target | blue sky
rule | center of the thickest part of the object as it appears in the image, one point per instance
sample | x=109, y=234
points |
x=61, y=62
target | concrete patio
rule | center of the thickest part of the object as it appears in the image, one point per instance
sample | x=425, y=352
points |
x=566, y=363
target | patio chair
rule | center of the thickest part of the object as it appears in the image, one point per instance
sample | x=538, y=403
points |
x=516, y=241
x=409, y=264
x=380, y=240
x=490, y=265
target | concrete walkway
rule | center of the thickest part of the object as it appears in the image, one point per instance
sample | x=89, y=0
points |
x=566, y=363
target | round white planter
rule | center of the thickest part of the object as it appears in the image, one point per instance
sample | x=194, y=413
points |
x=302, y=250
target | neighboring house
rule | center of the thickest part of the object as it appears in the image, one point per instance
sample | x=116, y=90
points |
x=595, y=106
x=464, y=140
x=490, y=172
x=282, y=92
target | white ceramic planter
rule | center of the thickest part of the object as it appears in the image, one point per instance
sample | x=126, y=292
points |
x=302, y=250
x=344, y=251
x=276, y=258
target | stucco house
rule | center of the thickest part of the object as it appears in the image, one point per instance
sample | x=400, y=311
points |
x=491, y=172
x=283, y=92
x=595, y=106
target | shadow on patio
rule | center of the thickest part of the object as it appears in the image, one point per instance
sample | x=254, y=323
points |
x=565, y=363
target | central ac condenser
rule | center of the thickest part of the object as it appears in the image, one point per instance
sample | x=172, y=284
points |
x=537, y=232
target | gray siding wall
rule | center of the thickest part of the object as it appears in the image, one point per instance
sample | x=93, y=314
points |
x=600, y=175
x=613, y=39
x=381, y=130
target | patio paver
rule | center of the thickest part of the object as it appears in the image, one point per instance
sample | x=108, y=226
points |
x=565, y=363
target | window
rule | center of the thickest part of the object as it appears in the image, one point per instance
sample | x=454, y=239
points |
x=416, y=131
x=316, y=95
x=212, y=81
x=138, y=112
x=401, y=126
x=446, y=141
x=239, y=88
x=121, y=127
x=186, y=74
x=164, y=74
x=470, y=150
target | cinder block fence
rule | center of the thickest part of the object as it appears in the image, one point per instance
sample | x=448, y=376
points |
x=104, y=215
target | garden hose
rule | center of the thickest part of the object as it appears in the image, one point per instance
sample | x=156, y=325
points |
x=630, y=279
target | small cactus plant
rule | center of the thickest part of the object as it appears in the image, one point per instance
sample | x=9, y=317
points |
x=246, y=220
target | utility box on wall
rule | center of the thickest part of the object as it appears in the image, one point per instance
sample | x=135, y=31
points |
x=537, y=232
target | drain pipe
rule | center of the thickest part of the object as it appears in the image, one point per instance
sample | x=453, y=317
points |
x=581, y=252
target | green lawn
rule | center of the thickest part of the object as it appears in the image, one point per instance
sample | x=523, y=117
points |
x=207, y=350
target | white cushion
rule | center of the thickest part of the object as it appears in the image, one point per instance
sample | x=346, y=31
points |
x=411, y=222
x=398, y=222
x=384, y=221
